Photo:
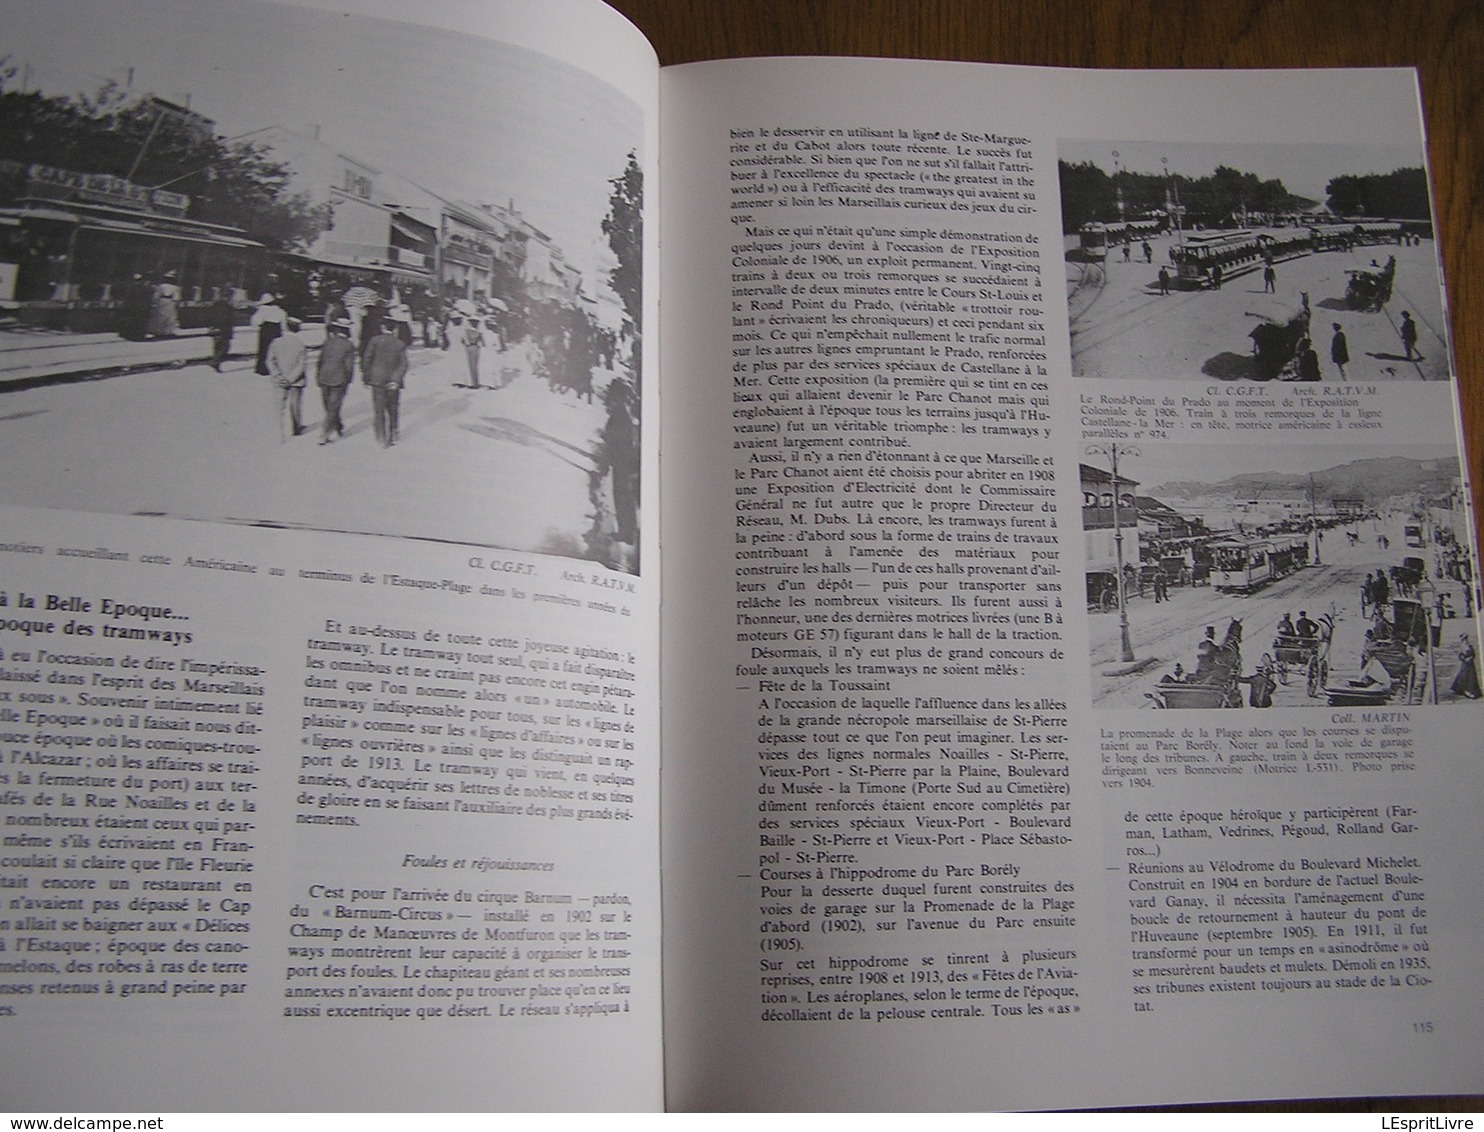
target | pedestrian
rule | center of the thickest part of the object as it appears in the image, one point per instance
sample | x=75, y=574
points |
x=373, y=321
x=1339, y=350
x=1374, y=675
x=1466, y=682
x=1269, y=279
x=384, y=370
x=1409, y=335
x=1164, y=281
x=335, y=310
x=337, y=365
x=1366, y=589
x=1261, y=683
x=356, y=301
x=1308, y=361
x=221, y=320
x=1125, y=251
x=267, y=320
x=1380, y=590
x=135, y=297
x=1148, y=253
x=164, y=308
x=401, y=319
x=472, y=339
x=1216, y=277
x=288, y=359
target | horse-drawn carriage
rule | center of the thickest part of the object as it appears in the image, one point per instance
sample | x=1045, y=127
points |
x=1215, y=681
x=1102, y=591
x=1296, y=652
x=1390, y=671
x=1276, y=346
x=1403, y=683
x=1406, y=577
x=1369, y=289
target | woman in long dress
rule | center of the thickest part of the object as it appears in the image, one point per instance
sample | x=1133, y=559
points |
x=267, y=320
x=1466, y=683
x=164, y=313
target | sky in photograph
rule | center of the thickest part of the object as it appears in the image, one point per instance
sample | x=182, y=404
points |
x=1152, y=464
x=1303, y=169
x=468, y=118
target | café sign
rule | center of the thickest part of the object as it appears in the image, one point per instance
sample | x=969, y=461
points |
x=105, y=188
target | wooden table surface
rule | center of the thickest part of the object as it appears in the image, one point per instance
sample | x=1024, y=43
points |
x=1443, y=39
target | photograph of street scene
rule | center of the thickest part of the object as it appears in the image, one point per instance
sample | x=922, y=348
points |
x=1251, y=577
x=317, y=271
x=1251, y=262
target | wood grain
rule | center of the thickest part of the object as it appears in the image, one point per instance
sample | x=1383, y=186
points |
x=1442, y=39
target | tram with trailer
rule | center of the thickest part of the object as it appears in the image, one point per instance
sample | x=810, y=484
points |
x=1231, y=249
x=1243, y=565
x=1096, y=237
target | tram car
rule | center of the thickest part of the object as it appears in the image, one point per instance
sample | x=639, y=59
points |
x=1377, y=231
x=1332, y=237
x=1235, y=250
x=1247, y=565
x=1238, y=249
x=1199, y=252
x=1097, y=237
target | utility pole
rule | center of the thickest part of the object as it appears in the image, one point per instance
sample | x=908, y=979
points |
x=1112, y=451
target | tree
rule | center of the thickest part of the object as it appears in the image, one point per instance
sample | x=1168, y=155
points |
x=1400, y=194
x=1086, y=195
x=149, y=142
x=624, y=227
x=615, y=534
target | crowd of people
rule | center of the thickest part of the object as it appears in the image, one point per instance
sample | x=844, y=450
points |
x=564, y=342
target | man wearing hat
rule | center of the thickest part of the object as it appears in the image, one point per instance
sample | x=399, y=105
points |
x=337, y=365
x=221, y=319
x=1409, y=335
x=267, y=320
x=384, y=369
x=288, y=358
x=1206, y=651
x=471, y=337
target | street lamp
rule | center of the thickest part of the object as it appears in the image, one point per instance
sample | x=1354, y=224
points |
x=1111, y=451
x=1314, y=521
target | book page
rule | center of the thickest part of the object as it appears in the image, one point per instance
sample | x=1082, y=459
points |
x=328, y=566
x=1072, y=683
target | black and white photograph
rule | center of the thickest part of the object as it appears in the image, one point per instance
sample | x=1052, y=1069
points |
x=316, y=271
x=1248, y=262
x=1254, y=577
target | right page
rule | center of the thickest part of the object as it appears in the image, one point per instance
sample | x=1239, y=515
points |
x=1071, y=628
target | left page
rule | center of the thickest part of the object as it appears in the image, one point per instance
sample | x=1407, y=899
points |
x=328, y=604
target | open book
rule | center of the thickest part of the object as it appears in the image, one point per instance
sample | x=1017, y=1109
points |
x=531, y=580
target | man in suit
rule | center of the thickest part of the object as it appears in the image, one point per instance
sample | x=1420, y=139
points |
x=288, y=361
x=337, y=365
x=384, y=370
